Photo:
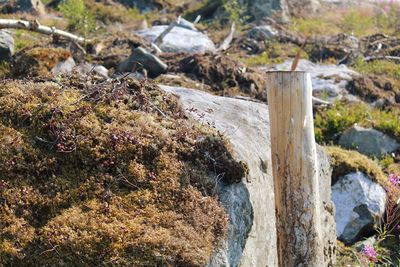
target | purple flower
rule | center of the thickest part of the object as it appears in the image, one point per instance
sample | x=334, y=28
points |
x=394, y=179
x=370, y=253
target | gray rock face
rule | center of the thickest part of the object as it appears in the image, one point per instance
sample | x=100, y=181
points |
x=250, y=204
x=35, y=6
x=6, y=46
x=360, y=203
x=368, y=141
x=140, y=59
x=329, y=81
x=179, y=39
x=261, y=33
x=64, y=67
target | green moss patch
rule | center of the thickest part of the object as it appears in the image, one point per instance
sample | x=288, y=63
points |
x=346, y=161
x=106, y=173
x=331, y=122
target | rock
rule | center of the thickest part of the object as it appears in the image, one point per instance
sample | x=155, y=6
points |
x=302, y=8
x=64, y=67
x=6, y=45
x=251, y=239
x=360, y=203
x=179, y=39
x=262, y=33
x=139, y=59
x=260, y=9
x=368, y=141
x=329, y=81
x=87, y=68
x=35, y=6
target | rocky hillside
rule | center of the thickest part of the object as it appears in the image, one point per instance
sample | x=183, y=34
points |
x=136, y=133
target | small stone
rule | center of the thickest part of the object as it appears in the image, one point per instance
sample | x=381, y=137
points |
x=64, y=67
x=6, y=46
x=140, y=59
x=262, y=33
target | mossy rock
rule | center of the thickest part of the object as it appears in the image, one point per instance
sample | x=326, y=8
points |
x=98, y=173
x=346, y=161
x=38, y=61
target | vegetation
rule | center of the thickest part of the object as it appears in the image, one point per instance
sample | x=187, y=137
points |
x=330, y=123
x=378, y=67
x=79, y=17
x=141, y=195
x=346, y=161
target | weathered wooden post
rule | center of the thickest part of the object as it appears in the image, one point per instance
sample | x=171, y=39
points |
x=295, y=169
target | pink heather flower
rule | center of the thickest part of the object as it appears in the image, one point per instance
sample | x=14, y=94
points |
x=394, y=179
x=370, y=253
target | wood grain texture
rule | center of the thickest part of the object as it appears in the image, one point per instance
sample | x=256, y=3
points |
x=295, y=170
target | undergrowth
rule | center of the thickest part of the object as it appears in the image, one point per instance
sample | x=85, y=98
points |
x=330, y=123
x=100, y=173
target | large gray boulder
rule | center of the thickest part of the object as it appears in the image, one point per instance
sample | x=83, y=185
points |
x=329, y=81
x=140, y=59
x=368, y=141
x=251, y=239
x=360, y=203
x=6, y=46
x=179, y=39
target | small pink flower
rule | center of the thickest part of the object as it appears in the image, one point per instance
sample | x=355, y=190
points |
x=394, y=179
x=370, y=253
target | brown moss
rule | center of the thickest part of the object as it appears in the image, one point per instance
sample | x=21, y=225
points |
x=224, y=74
x=346, y=161
x=37, y=61
x=372, y=87
x=107, y=173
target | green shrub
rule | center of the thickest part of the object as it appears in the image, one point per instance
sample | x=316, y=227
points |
x=357, y=22
x=79, y=17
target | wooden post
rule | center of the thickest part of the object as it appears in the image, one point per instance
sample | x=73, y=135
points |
x=295, y=172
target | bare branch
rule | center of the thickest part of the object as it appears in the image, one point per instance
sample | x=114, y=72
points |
x=36, y=27
x=227, y=41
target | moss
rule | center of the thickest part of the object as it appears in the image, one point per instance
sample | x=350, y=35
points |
x=331, y=122
x=37, y=61
x=346, y=256
x=312, y=26
x=94, y=174
x=378, y=67
x=347, y=161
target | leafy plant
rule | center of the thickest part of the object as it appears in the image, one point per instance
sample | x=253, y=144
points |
x=79, y=17
x=236, y=11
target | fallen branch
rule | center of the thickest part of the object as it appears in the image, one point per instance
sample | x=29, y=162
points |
x=382, y=57
x=227, y=41
x=36, y=27
x=159, y=39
